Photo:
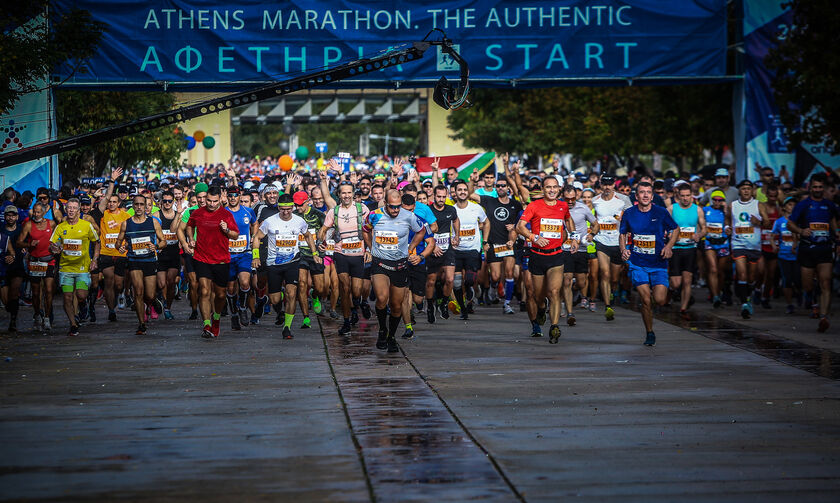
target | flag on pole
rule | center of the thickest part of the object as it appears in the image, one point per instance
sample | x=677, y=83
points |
x=465, y=164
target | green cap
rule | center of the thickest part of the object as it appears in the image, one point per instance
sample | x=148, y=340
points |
x=201, y=187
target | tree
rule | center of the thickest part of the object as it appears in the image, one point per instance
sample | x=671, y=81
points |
x=808, y=74
x=80, y=112
x=29, y=52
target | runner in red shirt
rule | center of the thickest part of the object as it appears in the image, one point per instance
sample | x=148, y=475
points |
x=550, y=223
x=213, y=225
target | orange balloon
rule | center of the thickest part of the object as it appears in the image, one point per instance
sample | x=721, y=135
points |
x=198, y=135
x=285, y=162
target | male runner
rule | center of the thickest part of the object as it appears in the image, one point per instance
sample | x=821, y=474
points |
x=417, y=273
x=169, y=260
x=648, y=259
x=189, y=262
x=143, y=237
x=814, y=219
x=441, y=264
x=692, y=227
x=240, y=259
x=386, y=232
x=263, y=210
x=311, y=273
x=550, y=223
x=608, y=209
x=473, y=225
x=72, y=239
x=213, y=227
x=282, y=232
x=15, y=271
x=112, y=261
x=576, y=264
x=746, y=244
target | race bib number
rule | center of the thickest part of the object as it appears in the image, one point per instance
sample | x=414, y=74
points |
x=286, y=243
x=170, y=237
x=387, y=240
x=787, y=237
x=644, y=244
x=72, y=247
x=503, y=250
x=686, y=236
x=141, y=245
x=111, y=240
x=467, y=234
x=715, y=230
x=238, y=245
x=819, y=229
x=551, y=228
x=329, y=248
x=442, y=240
x=766, y=237
x=609, y=228
x=351, y=244
x=744, y=230
x=38, y=269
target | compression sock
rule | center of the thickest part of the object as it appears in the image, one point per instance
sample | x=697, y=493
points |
x=742, y=290
x=243, y=297
x=288, y=320
x=459, y=298
x=231, y=302
x=408, y=326
x=393, y=325
x=509, y=286
x=217, y=316
x=206, y=323
x=382, y=317
x=279, y=308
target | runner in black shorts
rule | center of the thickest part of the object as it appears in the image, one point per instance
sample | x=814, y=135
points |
x=169, y=259
x=441, y=264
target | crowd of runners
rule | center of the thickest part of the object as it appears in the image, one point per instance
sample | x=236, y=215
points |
x=235, y=243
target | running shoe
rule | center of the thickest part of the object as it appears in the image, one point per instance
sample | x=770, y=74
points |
x=624, y=297
x=334, y=315
x=650, y=339
x=262, y=302
x=444, y=311
x=214, y=327
x=465, y=316
x=157, y=307
x=823, y=326
x=207, y=333
x=409, y=334
x=37, y=323
x=584, y=303
x=243, y=316
x=167, y=314
x=746, y=310
x=266, y=307
x=153, y=314
x=287, y=334
x=684, y=315
x=141, y=329
x=74, y=331
x=255, y=320
x=609, y=314
x=571, y=320
x=553, y=334
x=470, y=308
x=316, y=305
x=234, y=323
x=354, y=317
x=592, y=306
x=307, y=323
x=392, y=345
x=382, y=340
x=815, y=311
x=46, y=325
x=92, y=314
x=716, y=302
x=536, y=332
x=790, y=309
x=345, y=328
x=280, y=319
x=83, y=314
x=121, y=301
x=508, y=310
x=194, y=315
x=430, y=314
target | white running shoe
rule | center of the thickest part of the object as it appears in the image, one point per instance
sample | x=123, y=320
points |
x=46, y=325
x=121, y=301
x=508, y=309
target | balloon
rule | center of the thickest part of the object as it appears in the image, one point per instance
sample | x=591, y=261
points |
x=301, y=153
x=190, y=142
x=199, y=135
x=285, y=162
x=208, y=142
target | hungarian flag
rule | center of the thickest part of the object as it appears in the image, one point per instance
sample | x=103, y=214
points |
x=465, y=164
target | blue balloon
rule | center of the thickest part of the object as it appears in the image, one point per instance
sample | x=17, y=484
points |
x=190, y=142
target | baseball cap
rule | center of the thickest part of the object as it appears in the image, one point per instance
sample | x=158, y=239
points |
x=402, y=184
x=300, y=197
x=695, y=178
x=427, y=182
x=11, y=209
x=268, y=188
x=132, y=191
x=721, y=172
x=233, y=189
x=718, y=193
x=201, y=187
x=745, y=182
x=85, y=199
x=577, y=185
x=606, y=179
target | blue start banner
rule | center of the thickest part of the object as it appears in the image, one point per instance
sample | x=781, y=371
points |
x=505, y=42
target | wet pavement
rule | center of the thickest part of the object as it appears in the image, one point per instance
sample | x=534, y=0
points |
x=472, y=410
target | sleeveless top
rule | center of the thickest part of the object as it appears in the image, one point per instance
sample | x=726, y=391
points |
x=141, y=240
x=687, y=221
x=172, y=247
x=773, y=214
x=41, y=251
x=744, y=234
x=716, y=238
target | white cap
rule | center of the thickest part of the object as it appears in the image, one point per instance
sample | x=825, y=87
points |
x=577, y=185
x=248, y=185
x=560, y=180
x=278, y=185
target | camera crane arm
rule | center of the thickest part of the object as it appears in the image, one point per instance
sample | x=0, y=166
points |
x=317, y=79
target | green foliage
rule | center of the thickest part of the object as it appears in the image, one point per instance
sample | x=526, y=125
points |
x=79, y=112
x=28, y=52
x=592, y=122
x=808, y=74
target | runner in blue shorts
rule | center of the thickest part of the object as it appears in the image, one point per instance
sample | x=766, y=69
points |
x=646, y=229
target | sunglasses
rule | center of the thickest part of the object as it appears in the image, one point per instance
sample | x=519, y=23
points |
x=43, y=197
x=718, y=199
x=168, y=201
x=501, y=185
x=394, y=206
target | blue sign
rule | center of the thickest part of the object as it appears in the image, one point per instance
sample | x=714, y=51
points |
x=93, y=181
x=344, y=160
x=321, y=147
x=533, y=42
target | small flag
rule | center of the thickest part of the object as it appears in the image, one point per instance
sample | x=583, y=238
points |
x=465, y=164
